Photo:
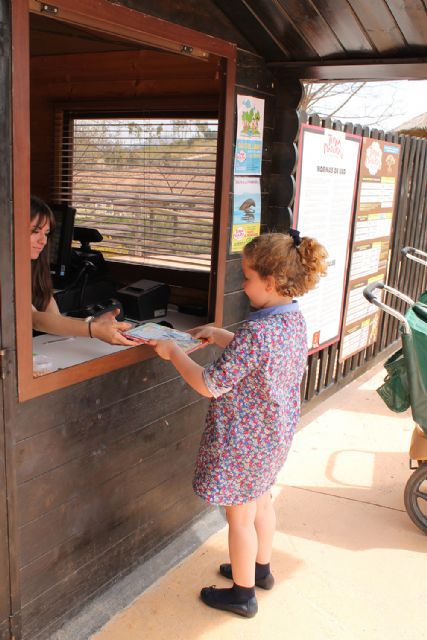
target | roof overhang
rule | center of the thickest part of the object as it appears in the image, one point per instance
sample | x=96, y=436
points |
x=379, y=69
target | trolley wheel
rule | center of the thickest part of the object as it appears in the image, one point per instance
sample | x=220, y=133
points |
x=416, y=497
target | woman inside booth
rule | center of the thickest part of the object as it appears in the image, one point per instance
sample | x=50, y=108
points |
x=46, y=315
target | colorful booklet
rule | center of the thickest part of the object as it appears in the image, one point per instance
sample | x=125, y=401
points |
x=152, y=331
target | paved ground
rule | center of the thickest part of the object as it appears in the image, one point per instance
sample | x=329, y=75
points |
x=349, y=564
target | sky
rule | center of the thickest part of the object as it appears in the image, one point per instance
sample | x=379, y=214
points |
x=403, y=100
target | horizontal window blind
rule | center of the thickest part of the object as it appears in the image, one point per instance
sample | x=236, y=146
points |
x=147, y=185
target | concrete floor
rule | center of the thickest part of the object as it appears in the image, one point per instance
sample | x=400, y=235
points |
x=348, y=562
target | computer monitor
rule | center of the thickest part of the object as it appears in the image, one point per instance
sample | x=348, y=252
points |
x=60, y=242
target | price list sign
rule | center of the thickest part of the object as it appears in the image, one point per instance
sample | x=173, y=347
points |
x=324, y=206
x=379, y=168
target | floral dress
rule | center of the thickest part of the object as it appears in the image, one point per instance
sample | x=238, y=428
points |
x=255, y=407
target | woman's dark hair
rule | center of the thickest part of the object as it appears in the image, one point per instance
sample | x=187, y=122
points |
x=41, y=283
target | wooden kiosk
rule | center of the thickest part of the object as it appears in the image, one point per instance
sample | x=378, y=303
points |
x=96, y=459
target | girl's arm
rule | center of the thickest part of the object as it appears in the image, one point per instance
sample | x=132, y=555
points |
x=213, y=335
x=189, y=370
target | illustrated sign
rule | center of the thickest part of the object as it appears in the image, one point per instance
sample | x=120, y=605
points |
x=326, y=187
x=250, y=127
x=246, y=211
x=379, y=167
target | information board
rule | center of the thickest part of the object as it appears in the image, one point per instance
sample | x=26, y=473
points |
x=378, y=173
x=324, y=205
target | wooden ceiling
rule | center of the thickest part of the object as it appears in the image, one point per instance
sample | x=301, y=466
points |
x=317, y=38
x=308, y=39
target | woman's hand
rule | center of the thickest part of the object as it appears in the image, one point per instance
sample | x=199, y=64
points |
x=106, y=328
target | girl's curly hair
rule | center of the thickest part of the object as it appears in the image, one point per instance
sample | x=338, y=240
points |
x=295, y=269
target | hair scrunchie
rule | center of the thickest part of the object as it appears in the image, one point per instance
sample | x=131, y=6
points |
x=295, y=235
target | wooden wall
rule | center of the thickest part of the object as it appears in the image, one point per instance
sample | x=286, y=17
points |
x=123, y=79
x=104, y=474
x=4, y=539
x=7, y=341
x=253, y=79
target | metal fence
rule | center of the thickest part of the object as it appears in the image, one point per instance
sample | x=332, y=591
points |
x=325, y=374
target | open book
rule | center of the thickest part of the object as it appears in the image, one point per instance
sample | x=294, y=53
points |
x=152, y=331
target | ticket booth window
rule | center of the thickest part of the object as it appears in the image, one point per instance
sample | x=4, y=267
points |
x=153, y=175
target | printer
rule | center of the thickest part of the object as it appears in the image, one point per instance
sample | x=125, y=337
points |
x=144, y=299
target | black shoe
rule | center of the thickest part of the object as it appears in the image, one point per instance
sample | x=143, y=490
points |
x=262, y=583
x=246, y=609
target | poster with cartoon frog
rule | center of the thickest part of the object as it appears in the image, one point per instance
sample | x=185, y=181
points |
x=250, y=127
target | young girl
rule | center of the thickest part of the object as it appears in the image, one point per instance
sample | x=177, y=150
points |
x=255, y=386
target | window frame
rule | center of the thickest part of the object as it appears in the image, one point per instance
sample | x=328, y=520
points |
x=115, y=20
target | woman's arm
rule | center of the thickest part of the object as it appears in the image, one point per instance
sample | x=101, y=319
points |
x=52, y=307
x=108, y=331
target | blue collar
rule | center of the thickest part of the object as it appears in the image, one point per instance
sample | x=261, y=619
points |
x=272, y=311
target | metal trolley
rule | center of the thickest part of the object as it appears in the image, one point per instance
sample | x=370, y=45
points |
x=406, y=385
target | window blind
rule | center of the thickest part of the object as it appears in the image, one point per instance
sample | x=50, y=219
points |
x=147, y=184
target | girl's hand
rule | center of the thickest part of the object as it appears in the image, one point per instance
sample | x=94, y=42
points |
x=207, y=334
x=212, y=335
x=164, y=348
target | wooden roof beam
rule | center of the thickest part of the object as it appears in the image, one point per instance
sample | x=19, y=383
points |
x=378, y=69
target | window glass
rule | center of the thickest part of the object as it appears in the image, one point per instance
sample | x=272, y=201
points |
x=147, y=184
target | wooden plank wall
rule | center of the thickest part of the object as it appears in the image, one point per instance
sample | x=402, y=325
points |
x=4, y=536
x=7, y=335
x=104, y=474
x=255, y=80
x=123, y=79
x=324, y=373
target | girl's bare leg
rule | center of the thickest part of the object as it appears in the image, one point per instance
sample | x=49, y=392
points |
x=242, y=542
x=265, y=526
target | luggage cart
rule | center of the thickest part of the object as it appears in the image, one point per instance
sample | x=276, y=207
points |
x=406, y=386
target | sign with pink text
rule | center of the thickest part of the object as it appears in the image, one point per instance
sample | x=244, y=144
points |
x=328, y=163
x=376, y=197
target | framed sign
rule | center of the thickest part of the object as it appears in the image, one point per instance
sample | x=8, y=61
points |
x=325, y=193
x=376, y=195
